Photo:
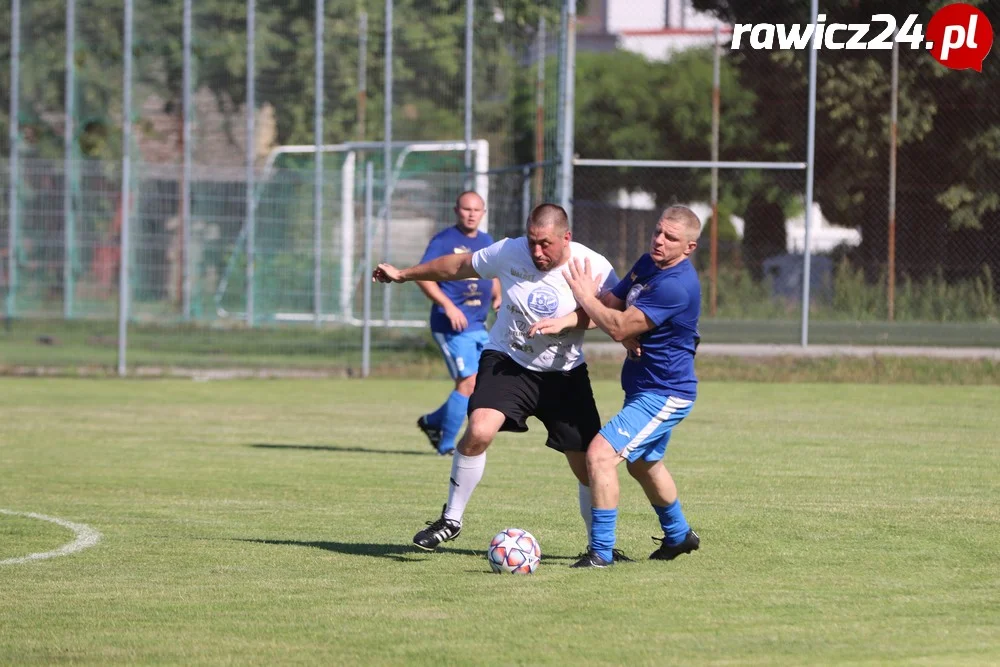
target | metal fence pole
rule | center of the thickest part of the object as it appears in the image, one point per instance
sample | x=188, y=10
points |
x=15, y=146
x=525, y=196
x=810, y=172
x=366, y=326
x=540, y=106
x=560, y=101
x=713, y=272
x=188, y=83
x=387, y=157
x=569, y=103
x=893, y=142
x=124, y=291
x=69, y=224
x=362, y=74
x=251, y=150
x=347, y=215
x=318, y=167
x=470, y=8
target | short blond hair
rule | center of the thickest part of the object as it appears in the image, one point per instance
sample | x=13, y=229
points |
x=686, y=217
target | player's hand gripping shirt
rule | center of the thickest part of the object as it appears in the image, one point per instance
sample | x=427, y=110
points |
x=471, y=296
x=530, y=295
x=671, y=299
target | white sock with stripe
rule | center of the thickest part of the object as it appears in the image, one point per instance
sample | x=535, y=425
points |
x=466, y=471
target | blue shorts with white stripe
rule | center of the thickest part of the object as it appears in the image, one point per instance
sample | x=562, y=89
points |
x=461, y=351
x=641, y=430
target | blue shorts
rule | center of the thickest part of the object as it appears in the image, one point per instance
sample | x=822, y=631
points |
x=461, y=351
x=642, y=429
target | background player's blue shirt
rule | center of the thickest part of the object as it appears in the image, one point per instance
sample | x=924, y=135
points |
x=471, y=296
x=671, y=299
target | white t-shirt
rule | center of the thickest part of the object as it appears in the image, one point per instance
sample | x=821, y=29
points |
x=530, y=295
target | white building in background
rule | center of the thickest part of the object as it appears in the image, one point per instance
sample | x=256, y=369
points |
x=655, y=28
x=823, y=236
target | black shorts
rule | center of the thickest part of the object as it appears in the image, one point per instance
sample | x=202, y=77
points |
x=562, y=400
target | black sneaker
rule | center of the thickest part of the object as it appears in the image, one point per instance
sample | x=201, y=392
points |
x=591, y=559
x=433, y=434
x=672, y=551
x=436, y=532
x=616, y=556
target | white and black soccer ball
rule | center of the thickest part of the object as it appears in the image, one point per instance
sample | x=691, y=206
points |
x=515, y=551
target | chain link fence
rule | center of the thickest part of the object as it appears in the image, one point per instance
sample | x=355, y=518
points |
x=245, y=249
x=943, y=243
x=212, y=185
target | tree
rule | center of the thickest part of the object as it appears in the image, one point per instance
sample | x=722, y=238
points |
x=628, y=107
x=428, y=64
x=949, y=131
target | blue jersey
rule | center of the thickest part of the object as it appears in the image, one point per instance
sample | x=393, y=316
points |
x=671, y=299
x=472, y=296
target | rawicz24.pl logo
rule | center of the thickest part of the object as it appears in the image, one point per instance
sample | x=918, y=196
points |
x=959, y=36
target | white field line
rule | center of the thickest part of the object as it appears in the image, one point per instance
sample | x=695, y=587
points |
x=85, y=537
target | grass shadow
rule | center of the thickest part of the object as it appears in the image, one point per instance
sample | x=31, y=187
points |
x=398, y=552
x=336, y=448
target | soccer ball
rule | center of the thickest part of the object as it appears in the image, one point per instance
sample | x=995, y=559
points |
x=515, y=551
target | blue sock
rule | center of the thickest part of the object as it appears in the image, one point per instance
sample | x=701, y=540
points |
x=454, y=415
x=436, y=418
x=675, y=526
x=602, y=532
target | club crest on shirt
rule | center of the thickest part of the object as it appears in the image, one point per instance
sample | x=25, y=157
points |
x=633, y=294
x=543, y=301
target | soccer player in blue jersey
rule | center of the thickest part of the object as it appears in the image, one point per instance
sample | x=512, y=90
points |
x=658, y=304
x=458, y=319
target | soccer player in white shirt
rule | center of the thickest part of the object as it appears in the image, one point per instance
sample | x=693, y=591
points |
x=544, y=376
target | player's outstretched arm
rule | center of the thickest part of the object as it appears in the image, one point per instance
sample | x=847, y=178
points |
x=446, y=267
x=548, y=326
x=620, y=325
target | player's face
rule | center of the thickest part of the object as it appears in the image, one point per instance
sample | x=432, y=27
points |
x=548, y=247
x=670, y=243
x=468, y=212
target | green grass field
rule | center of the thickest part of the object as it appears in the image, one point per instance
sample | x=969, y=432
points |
x=267, y=522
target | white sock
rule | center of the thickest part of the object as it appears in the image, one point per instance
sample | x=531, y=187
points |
x=466, y=471
x=586, y=504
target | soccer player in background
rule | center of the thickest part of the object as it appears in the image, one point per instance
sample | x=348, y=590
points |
x=458, y=319
x=659, y=302
x=545, y=376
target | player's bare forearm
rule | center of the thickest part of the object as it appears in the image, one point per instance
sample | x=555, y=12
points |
x=434, y=293
x=553, y=325
x=620, y=325
x=617, y=323
x=580, y=320
x=444, y=268
x=447, y=267
x=608, y=300
x=601, y=316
